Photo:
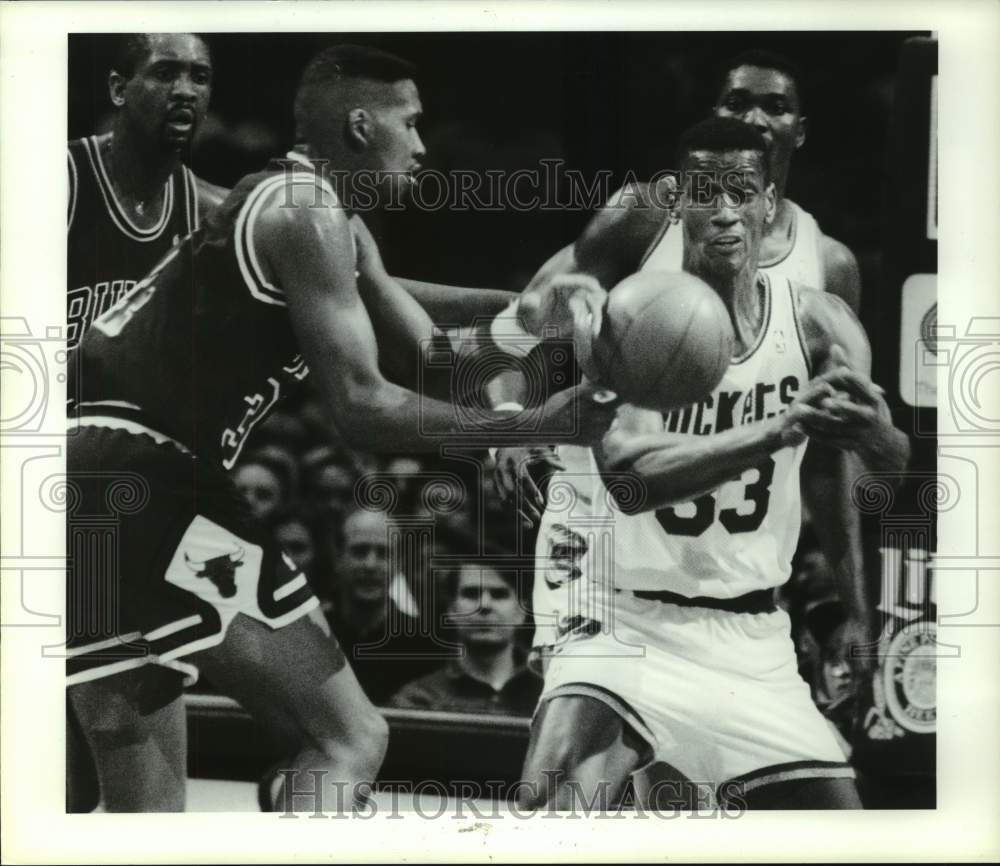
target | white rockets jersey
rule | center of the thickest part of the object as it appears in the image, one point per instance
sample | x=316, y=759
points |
x=741, y=536
x=803, y=263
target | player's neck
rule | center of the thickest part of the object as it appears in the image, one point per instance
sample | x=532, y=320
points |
x=742, y=297
x=491, y=665
x=137, y=171
x=780, y=226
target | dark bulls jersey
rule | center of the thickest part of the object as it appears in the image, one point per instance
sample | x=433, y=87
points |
x=202, y=348
x=107, y=254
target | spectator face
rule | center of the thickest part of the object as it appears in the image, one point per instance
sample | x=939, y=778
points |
x=261, y=488
x=295, y=539
x=364, y=561
x=836, y=672
x=331, y=491
x=486, y=610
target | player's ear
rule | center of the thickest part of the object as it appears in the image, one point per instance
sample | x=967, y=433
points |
x=771, y=203
x=116, y=88
x=359, y=128
x=800, y=137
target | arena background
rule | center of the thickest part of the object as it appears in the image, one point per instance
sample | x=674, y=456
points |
x=612, y=102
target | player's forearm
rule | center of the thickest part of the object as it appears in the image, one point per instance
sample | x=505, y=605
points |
x=828, y=477
x=887, y=451
x=671, y=468
x=456, y=305
x=388, y=418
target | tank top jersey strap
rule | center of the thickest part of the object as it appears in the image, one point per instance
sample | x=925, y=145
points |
x=802, y=263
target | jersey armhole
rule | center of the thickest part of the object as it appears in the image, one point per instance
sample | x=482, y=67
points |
x=246, y=254
x=803, y=345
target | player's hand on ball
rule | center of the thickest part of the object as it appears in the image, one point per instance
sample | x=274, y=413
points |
x=566, y=307
x=845, y=409
x=513, y=478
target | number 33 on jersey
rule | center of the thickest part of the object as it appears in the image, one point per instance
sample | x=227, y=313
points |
x=741, y=536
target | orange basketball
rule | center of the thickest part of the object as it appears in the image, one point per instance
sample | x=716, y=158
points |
x=666, y=340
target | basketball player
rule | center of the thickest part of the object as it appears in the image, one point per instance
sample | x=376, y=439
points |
x=765, y=90
x=172, y=381
x=677, y=654
x=131, y=198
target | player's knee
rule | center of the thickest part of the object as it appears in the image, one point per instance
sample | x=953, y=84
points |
x=362, y=748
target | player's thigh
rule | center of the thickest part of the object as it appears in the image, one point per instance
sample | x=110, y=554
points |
x=294, y=677
x=816, y=793
x=579, y=746
x=140, y=757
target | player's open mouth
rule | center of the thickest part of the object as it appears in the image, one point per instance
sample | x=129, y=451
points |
x=726, y=242
x=181, y=120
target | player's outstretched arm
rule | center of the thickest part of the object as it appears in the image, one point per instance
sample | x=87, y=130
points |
x=456, y=306
x=309, y=252
x=668, y=468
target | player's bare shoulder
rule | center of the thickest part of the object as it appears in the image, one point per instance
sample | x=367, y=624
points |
x=624, y=229
x=841, y=272
x=299, y=224
x=826, y=319
x=210, y=196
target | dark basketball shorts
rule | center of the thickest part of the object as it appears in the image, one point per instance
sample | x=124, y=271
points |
x=162, y=555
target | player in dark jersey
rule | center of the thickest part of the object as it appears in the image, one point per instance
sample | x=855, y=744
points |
x=131, y=198
x=170, y=383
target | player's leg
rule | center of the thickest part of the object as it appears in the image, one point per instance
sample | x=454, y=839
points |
x=140, y=757
x=296, y=681
x=581, y=754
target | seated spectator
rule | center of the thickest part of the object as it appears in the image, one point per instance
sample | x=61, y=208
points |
x=385, y=646
x=267, y=479
x=293, y=536
x=832, y=681
x=491, y=675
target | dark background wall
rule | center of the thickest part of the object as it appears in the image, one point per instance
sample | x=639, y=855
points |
x=599, y=101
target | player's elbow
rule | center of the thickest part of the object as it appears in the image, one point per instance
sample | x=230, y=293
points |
x=625, y=485
x=362, y=405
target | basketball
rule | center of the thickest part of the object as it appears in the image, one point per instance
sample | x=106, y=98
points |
x=666, y=340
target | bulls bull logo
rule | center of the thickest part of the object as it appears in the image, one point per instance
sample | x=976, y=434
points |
x=221, y=570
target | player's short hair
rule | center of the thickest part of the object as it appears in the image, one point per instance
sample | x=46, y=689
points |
x=131, y=49
x=345, y=62
x=764, y=59
x=720, y=134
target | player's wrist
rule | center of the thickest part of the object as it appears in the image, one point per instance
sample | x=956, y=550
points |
x=509, y=334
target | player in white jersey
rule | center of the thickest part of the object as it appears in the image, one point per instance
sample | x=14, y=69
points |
x=666, y=645
x=766, y=91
